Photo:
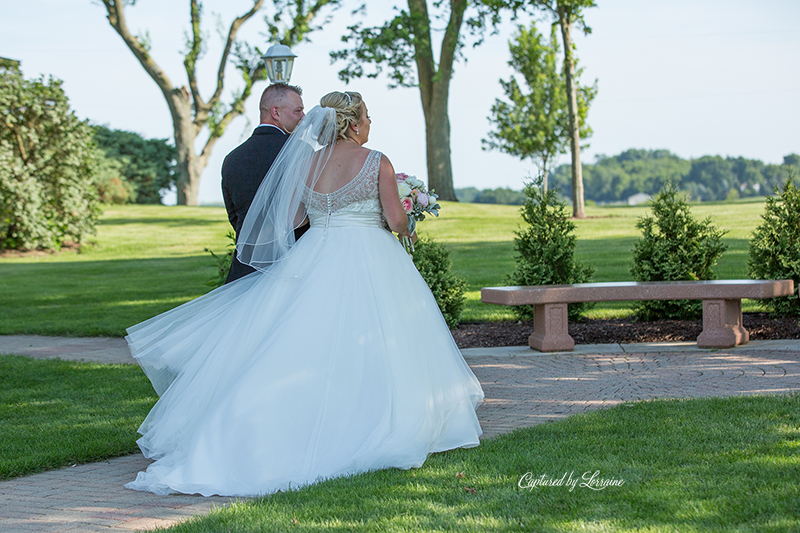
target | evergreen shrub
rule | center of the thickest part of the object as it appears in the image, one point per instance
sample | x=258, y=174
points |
x=674, y=247
x=432, y=259
x=546, y=248
x=775, y=246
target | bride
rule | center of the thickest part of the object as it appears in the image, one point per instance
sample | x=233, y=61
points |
x=332, y=359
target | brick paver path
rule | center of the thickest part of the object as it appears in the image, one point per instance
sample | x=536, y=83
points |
x=522, y=387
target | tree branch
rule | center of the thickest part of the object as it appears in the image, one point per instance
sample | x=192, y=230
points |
x=190, y=62
x=426, y=66
x=116, y=17
x=451, y=40
x=232, y=31
x=21, y=145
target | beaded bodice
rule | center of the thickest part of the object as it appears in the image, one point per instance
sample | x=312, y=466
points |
x=360, y=195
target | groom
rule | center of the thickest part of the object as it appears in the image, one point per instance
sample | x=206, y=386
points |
x=243, y=169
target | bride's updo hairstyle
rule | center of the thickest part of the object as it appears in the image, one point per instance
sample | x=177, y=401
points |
x=348, y=109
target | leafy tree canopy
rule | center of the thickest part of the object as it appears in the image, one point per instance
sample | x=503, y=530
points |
x=47, y=165
x=147, y=164
x=708, y=178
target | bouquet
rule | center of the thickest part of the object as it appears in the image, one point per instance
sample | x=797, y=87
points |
x=417, y=200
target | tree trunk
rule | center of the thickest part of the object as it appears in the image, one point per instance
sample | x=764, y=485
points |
x=184, y=132
x=434, y=89
x=565, y=21
x=544, y=174
x=437, y=141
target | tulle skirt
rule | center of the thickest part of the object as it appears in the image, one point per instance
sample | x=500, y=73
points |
x=335, y=363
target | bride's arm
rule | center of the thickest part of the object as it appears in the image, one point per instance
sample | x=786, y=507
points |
x=390, y=199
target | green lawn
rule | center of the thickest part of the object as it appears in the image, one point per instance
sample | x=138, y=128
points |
x=722, y=465
x=148, y=259
x=57, y=413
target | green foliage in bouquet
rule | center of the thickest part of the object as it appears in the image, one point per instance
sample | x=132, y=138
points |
x=775, y=246
x=223, y=262
x=546, y=248
x=432, y=259
x=674, y=247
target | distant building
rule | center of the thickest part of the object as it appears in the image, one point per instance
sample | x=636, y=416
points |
x=638, y=198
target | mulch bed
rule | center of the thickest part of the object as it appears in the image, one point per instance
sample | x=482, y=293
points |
x=621, y=330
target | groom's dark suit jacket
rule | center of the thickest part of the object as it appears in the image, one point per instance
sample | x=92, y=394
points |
x=242, y=172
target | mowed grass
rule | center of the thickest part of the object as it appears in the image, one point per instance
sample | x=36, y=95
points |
x=57, y=413
x=148, y=259
x=722, y=465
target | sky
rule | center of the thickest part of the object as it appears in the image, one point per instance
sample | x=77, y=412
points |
x=695, y=77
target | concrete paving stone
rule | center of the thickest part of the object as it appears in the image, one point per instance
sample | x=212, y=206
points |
x=87, y=527
x=146, y=524
x=26, y=527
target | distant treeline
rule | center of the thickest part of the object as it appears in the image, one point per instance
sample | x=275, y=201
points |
x=471, y=195
x=709, y=178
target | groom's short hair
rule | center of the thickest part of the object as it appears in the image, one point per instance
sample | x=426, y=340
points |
x=274, y=94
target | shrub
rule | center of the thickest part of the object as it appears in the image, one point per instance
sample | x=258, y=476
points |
x=546, y=248
x=432, y=259
x=775, y=246
x=47, y=163
x=674, y=247
x=111, y=185
x=223, y=262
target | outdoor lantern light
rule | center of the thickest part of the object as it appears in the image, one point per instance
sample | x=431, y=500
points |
x=279, y=61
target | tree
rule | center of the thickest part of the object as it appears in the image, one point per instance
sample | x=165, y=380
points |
x=47, y=164
x=546, y=248
x=774, y=251
x=406, y=42
x=567, y=13
x=146, y=164
x=674, y=247
x=111, y=185
x=535, y=124
x=191, y=114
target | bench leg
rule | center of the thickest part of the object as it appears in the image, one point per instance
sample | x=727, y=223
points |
x=722, y=324
x=550, y=331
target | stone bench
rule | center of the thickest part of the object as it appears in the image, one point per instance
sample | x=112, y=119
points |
x=722, y=305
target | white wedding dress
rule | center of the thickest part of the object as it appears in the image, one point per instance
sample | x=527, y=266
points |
x=337, y=361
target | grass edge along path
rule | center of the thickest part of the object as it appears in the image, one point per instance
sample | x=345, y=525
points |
x=685, y=465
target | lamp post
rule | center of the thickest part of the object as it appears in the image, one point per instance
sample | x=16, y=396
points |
x=279, y=61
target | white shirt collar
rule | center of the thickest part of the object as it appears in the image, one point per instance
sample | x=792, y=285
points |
x=272, y=126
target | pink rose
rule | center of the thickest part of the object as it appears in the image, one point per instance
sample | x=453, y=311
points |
x=401, y=176
x=422, y=199
x=407, y=204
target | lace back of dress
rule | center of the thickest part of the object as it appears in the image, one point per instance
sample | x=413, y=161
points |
x=359, y=195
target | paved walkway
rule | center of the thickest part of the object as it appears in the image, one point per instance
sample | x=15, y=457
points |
x=522, y=387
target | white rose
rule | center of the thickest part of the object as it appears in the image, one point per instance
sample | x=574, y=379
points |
x=403, y=189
